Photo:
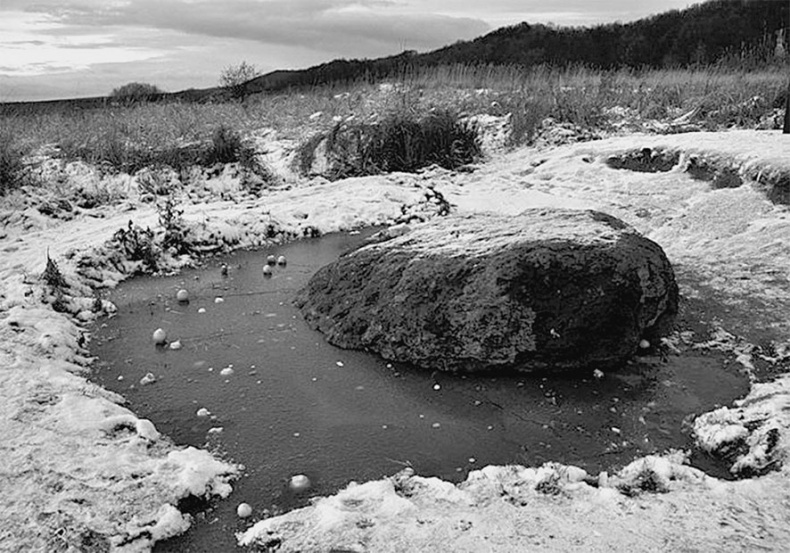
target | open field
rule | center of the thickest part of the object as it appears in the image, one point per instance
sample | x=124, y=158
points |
x=127, y=138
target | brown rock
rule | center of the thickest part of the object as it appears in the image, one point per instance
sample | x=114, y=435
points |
x=547, y=289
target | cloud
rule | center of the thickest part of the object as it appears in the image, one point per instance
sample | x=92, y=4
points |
x=500, y=13
x=348, y=28
x=89, y=47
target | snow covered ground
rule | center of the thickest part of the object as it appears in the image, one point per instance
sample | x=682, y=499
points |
x=81, y=472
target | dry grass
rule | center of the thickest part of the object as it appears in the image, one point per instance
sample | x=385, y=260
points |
x=129, y=138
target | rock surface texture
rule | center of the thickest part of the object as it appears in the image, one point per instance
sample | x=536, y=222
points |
x=546, y=289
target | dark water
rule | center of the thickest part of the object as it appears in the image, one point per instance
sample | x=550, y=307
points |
x=295, y=404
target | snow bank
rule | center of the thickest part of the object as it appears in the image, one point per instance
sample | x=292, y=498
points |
x=753, y=432
x=81, y=471
x=652, y=504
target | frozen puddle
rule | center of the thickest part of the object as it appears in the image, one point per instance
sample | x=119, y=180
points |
x=253, y=382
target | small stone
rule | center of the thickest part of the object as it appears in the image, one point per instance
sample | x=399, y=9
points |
x=176, y=345
x=149, y=378
x=436, y=425
x=202, y=310
x=227, y=371
x=219, y=300
x=120, y=377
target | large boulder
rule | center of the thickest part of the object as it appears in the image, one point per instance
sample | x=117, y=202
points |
x=546, y=289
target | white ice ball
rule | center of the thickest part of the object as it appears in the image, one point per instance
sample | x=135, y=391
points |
x=182, y=295
x=176, y=345
x=267, y=270
x=160, y=336
x=203, y=412
x=598, y=373
x=149, y=378
x=281, y=260
x=244, y=510
x=227, y=371
x=271, y=260
x=644, y=344
x=299, y=483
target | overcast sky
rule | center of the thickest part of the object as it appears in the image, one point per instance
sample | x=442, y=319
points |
x=73, y=48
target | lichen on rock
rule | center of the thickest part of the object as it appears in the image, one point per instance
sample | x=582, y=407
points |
x=547, y=289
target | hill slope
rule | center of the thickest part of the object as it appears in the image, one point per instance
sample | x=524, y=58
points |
x=701, y=34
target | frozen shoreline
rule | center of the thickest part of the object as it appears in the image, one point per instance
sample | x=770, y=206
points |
x=81, y=469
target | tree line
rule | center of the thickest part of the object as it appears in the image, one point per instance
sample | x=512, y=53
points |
x=703, y=34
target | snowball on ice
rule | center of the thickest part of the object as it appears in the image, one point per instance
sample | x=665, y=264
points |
x=160, y=336
x=244, y=510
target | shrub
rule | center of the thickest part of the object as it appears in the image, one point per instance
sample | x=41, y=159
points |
x=155, y=180
x=646, y=481
x=401, y=142
x=234, y=78
x=52, y=275
x=132, y=93
x=176, y=234
x=137, y=244
x=13, y=173
x=255, y=174
x=225, y=146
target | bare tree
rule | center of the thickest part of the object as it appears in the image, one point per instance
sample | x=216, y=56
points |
x=234, y=78
x=132, y=93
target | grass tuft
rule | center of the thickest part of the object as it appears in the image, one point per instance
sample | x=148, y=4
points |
x=401, y=141
x=52, y=275
x=13, y=173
